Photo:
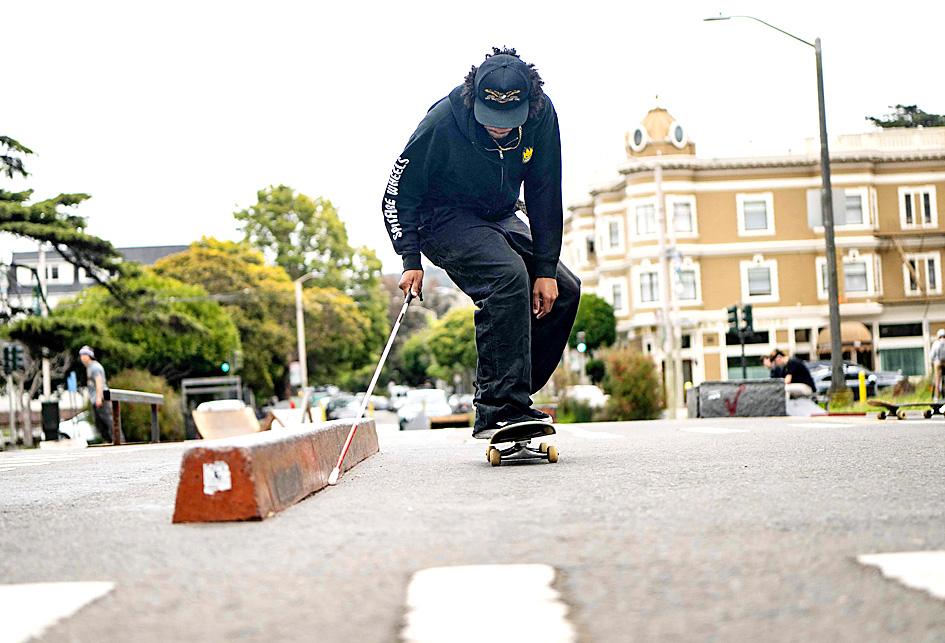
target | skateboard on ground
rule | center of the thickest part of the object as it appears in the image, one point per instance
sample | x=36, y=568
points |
x=899, y=410
x=520, y=436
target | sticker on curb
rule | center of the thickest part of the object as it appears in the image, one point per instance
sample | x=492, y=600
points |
x=216, y=477
x=922, y=570
x=494, y=603
x=27, y=610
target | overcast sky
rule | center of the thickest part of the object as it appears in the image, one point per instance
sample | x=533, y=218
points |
x=173, y=114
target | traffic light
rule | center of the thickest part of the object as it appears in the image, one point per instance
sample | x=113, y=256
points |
x=14, y=358
x=581, y=342
x=225, y=367
x=732, y=318
x=747, y=318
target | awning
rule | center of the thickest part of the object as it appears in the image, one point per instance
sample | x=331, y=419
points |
x=852, y=334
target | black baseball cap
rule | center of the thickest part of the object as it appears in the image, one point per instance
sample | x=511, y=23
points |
x=502, y=92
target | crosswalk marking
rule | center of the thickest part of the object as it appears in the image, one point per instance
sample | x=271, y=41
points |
x=27, y=610
x=590, y=435
x=922, y=570
x=10, y=461
x=495, y=603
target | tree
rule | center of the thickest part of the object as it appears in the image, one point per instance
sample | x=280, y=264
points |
x=306, y=235
x=259, y=298
x=163, y=326
x=50, y=221
x=595, y=317
x=416, y=360
x=452, y=341
x=908, y=116
x=261, y=301
x=633, y=385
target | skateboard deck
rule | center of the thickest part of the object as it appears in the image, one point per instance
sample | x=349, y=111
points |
x=520, y=435
x=899, y=410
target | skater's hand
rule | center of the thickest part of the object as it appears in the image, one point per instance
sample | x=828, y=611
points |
x=412, y=281
x=544, y=294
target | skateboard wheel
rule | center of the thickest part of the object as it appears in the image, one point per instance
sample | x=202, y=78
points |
x=552, y=454
x=489, y=451
x=495, y=458
x=927, y=414
x=543, y=447
x=901, y=414
x=881, y=415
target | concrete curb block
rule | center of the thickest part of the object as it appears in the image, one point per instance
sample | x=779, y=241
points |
x=251, y=477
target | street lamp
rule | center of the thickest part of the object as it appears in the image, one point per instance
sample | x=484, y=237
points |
x=300, y=327
x=837, y=382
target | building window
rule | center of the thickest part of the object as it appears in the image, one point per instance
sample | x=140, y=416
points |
x=616, y=291
x=755, y=213
x=900, y=330
x=854, y=209
x=923, y=270
x=649, y=287
x=52, y=273
x=613, y=233
x=682, y=209
x=687, y=285
x=646, y=220
x=917, y=207
x=910, y=361
x=857, y=275
x=759, y=280
x=589, y=246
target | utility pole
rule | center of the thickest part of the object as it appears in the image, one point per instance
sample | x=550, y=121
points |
x=44, y=309
x=665, y=289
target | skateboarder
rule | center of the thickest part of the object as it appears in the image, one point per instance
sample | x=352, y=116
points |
x=797, y=378
x=452, y=195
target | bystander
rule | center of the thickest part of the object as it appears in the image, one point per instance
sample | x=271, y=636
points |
x=97, y=384
x=797, y=378
x=937, y=359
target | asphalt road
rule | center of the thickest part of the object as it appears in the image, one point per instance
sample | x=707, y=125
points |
x=707, y=530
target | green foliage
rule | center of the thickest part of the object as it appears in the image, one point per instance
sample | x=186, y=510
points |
x=633, y=385
x=416, y=358
x=162, y=325
x=452, y=341
x=596, y=318
x=305, y=235
x=574, y=411
x=136, y=418
x=908, y=116
x=50, y=221
x=259, y=299
x=337, y=335
x=595, y=369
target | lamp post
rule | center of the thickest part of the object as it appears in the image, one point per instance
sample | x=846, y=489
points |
x=300, y=328
x=837, y=382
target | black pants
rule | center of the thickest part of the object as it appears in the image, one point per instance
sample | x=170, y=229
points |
x=491, y=261
x=104, y=421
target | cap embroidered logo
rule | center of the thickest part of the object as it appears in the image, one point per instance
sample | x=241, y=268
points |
x=503, y=97
x=527, y=154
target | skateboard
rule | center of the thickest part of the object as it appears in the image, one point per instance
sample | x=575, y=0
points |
x=931, y=408
x=520, y=435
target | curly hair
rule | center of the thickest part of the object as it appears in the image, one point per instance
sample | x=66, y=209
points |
x=536, y=97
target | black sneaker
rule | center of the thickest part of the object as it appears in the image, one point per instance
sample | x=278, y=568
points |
x=537, y=415
x=533, y=415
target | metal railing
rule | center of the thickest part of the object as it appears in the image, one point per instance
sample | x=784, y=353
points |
x=117, y=396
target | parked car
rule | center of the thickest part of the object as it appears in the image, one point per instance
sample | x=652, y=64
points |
x=431, y=402
x=820, y=371
x=591, y=395
x=337, y=407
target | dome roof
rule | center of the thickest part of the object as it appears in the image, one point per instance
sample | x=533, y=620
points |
x=659, y=133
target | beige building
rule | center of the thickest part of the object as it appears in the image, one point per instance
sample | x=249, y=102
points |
x=748, y=230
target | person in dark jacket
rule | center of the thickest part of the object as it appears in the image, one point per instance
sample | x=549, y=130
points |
x=798, y=381
x=453, y=195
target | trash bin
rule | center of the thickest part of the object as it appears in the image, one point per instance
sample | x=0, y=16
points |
x=51, y=420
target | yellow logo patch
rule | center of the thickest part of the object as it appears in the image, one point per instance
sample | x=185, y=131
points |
x=527, y=155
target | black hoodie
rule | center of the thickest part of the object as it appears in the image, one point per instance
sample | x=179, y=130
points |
x=451, y=162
